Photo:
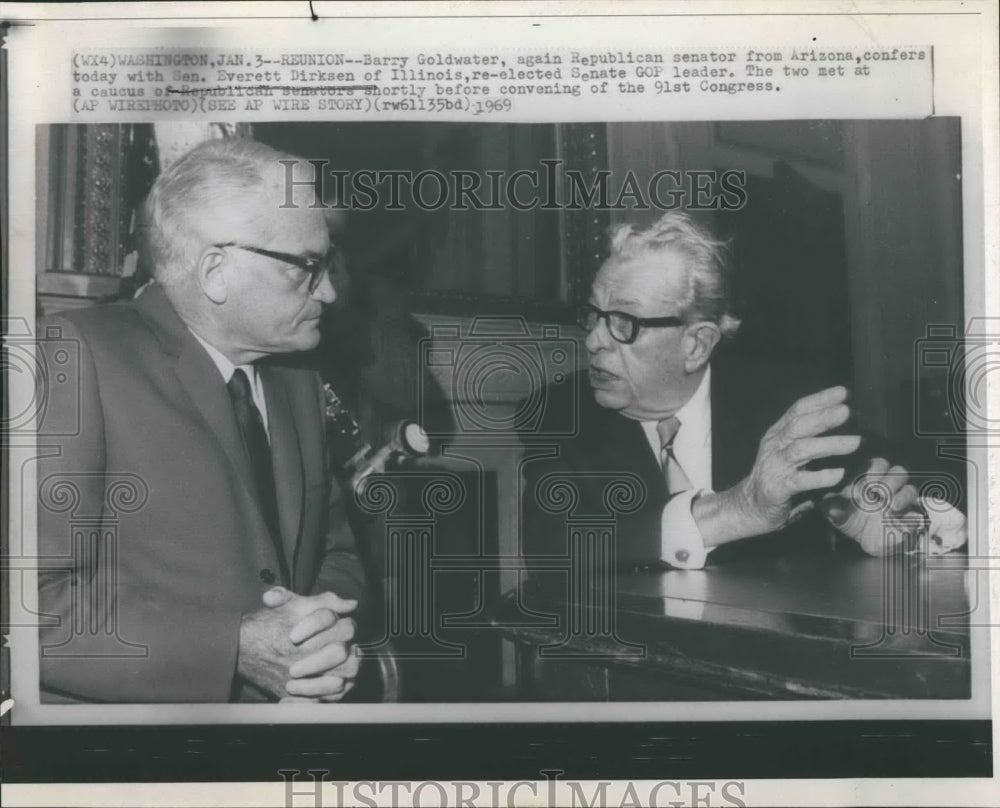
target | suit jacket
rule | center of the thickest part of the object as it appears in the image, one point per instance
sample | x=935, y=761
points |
x=747, y=397
x=147, y=520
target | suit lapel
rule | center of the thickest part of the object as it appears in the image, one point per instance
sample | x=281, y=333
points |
x=286, y=458
x=625, y=441
x=199, y=378
x=198, y=374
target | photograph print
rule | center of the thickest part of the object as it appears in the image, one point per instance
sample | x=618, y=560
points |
x=460, y=413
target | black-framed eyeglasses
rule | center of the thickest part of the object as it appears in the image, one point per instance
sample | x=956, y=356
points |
x=315, y=267
x=623, y=327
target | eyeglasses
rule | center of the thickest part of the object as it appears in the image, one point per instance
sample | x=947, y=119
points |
x=623, y=327
x=315, y=267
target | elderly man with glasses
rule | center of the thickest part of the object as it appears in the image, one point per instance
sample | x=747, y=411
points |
x=724, y=450
x=230, y=573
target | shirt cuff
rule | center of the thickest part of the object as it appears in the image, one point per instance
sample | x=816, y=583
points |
x=681, y=544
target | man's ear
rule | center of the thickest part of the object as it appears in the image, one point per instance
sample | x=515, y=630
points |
x=210, y=276
x=699, y=342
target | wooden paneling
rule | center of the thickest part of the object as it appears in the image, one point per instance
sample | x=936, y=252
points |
x=90, y=179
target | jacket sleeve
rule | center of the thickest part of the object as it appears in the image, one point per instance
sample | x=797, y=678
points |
x=340, y=569
x=103, y=636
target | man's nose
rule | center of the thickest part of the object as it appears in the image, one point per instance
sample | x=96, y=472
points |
x=325, y=292
x=598, y=337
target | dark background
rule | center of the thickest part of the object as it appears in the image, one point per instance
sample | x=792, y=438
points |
x=591, y=751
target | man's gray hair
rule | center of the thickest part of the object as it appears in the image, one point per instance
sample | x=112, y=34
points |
x=210, y=176
x=709, y=294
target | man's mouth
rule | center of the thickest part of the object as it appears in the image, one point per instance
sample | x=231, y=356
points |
x=600, y=375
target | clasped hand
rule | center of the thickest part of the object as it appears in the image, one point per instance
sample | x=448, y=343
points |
x=299, y=648
x=878, y=509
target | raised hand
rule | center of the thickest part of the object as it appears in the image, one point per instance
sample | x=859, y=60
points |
x=771, y=490
x=769, y=498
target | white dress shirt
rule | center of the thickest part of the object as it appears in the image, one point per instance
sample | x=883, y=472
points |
x=227, y=369
x=681, y=544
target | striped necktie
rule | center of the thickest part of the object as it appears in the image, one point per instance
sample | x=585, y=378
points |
x=677, y=480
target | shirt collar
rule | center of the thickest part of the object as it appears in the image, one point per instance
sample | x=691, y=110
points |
x=693, y=415
x=693, y=443
x=226, y=368
x=696, y=420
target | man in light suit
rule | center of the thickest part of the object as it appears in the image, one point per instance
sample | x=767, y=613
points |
x=227, y=570
x=725, y=450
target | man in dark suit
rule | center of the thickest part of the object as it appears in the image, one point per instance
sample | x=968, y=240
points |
x=717, y=451
x=200, y=547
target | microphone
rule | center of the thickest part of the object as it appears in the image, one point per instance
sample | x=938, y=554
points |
x=407, y=439
x=354, y=456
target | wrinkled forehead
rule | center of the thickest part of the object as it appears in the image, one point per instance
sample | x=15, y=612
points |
x=266, y=214
x=643, y=283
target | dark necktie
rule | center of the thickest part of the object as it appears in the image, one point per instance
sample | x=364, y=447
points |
x=259, y=451
x=677, y=480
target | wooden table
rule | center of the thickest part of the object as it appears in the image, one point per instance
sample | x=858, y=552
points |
x=830, y=624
